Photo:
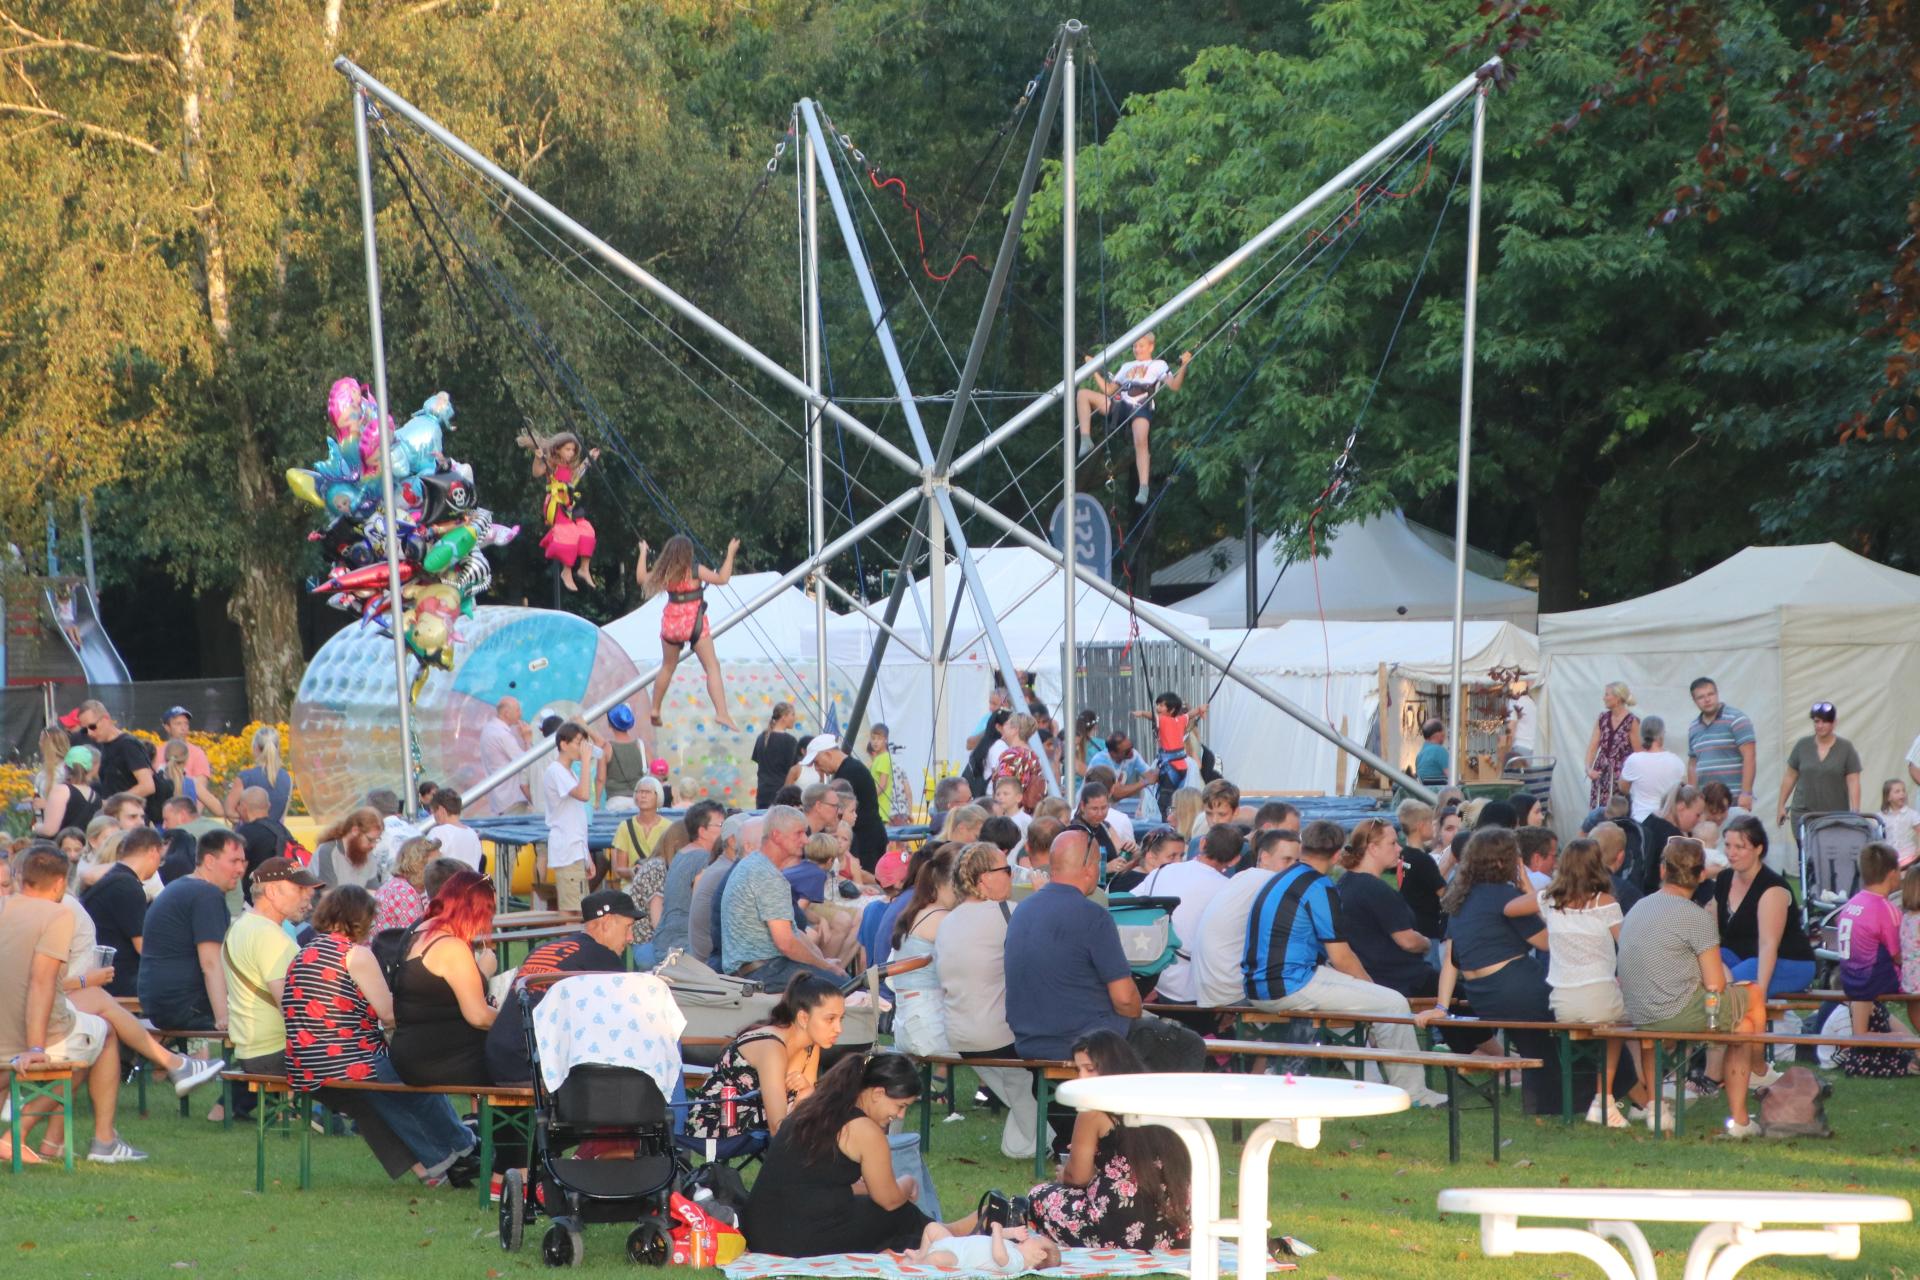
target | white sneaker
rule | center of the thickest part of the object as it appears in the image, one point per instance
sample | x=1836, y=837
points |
x=1761, y=1080
x=194, y=1072
x=1637, y=1114
x=119, y=1151
x=1751, y=1129
x=1612, y=1118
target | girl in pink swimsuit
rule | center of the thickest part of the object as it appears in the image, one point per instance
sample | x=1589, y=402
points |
x=685, y=623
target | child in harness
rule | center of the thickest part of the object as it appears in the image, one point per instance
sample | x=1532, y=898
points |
x=685, y=623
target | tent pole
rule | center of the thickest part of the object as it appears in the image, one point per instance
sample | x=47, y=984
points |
x=816, y=465
x=1457, y=710
x=1196, y=647
x=1069, y=193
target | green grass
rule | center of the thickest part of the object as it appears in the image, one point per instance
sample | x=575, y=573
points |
x=1365, y=1198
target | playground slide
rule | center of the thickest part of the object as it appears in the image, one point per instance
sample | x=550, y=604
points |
x=77, y=619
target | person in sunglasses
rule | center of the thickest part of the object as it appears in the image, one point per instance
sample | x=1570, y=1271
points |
x=1822, y=773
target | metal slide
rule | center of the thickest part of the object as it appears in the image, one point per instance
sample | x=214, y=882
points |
x=76, y=618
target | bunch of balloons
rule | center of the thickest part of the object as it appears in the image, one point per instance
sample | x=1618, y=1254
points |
x=440, y=530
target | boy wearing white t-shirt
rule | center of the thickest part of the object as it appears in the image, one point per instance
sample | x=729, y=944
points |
x=566, y=806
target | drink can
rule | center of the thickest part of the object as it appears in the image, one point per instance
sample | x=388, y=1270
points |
x=729, y=1109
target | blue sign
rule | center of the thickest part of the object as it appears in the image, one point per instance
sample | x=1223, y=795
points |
x=1092, y=535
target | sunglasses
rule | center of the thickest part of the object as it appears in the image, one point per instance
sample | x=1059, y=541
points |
x=994, y=871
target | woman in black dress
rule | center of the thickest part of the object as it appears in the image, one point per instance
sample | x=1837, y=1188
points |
x=440, y=1008
x=775, y=752
x=828, y=1184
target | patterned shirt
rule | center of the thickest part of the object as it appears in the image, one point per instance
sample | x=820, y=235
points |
x=332, y=1033
x=756, y=894
x=1714, y=746
x=400, y=905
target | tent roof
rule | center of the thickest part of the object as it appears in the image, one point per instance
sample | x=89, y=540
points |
x=1028, y=597
x=1420, y=651
x=1375, y=570
x=1754, y=585
x=773, y=631
x=1212, y=563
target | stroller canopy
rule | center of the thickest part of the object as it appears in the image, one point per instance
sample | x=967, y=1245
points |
x=613, y=1020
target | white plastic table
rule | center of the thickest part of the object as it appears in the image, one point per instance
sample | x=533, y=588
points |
x=1291, y=1109
x=1737, y=1226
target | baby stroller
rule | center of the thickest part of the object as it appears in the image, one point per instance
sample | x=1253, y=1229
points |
x=1146, y=934
x=605, y=1054
x=1830, y=845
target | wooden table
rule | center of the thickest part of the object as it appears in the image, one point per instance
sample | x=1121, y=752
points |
x=1291, y=1108
x=1737, y=1227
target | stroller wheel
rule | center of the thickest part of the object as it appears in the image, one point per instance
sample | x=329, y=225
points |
x=513, y=1210
x=562, y=1246
x=648, y=1244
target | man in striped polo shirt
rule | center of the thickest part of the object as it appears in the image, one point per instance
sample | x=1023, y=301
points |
x=1298, y=960
x=1720, y=744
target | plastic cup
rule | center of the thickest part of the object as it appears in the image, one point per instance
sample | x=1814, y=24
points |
x=103, y=957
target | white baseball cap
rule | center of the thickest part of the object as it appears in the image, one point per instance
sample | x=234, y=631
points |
x=820, y=742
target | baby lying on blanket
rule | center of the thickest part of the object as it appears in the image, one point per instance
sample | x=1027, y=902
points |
x=1009, y=1251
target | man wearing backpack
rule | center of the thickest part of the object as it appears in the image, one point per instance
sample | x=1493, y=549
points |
x=263, y=837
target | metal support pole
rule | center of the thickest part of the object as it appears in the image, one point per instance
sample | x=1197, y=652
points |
x=1252, y=565
x=409, y=802
x=1334, y=186
x=624, y=265
x=1069, y=194
x=816, y=465
x=886, y=628
x=772, y=591
x=1195, y=647
x=1458, y=711
x=86, y=548
x=942, y=623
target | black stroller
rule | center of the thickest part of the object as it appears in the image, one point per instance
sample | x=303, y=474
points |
x=615, y=1104
x=1830, y=845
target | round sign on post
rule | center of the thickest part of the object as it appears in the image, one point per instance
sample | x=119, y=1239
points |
x=1092, y=535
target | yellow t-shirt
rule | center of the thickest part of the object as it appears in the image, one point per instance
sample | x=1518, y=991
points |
x=256, y=954
x=636, y=841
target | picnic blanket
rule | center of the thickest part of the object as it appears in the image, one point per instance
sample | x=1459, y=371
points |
x=892, y=1266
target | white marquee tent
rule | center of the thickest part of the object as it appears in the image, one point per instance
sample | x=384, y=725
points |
x=1336, y=672
x=1374, y=570
x=1778, y=629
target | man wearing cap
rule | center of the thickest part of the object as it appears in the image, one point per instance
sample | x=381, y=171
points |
x=606, y=918
x=1822, y=773
x=626, y=759
x=869, y=829
x=177, y=724
x=254, y=959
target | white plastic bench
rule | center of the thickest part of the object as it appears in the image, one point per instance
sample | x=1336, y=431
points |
x=1737, y=1227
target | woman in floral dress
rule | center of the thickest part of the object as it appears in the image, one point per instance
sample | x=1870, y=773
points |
x=1616, y=735
x=1121, y=1187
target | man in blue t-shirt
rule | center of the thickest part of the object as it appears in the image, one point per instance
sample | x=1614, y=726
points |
x=1297, y=959
x=1131, y=774
x=182, y=985
x=1067, y=972
x=1430, y=762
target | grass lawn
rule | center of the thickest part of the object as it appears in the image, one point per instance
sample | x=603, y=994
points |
x=1365, y=1199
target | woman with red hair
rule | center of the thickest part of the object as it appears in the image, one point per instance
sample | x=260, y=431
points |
x=440, y=1008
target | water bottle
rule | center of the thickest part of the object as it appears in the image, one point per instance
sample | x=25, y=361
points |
x=728, y=1107
x=1713, y=1010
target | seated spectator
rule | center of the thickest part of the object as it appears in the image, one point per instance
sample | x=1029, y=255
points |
x=970, y=953
x=606, y=918
x=919, y=1016
x=1195, y=884
x=1094, y=817
x=1524, y=805
x=1583, y=928
x=182, y=985
x=1612, y=839
x=702, y=822
x=642, y=856
x=1762, y=939
x=828, y=1184
x=440, y=1008
x=333, y=1001
x=1160, y=848
x=773, y=1066
x=264, y=837
x=1493, y=927
x=962, y=825
x=1219, y=803
x=1421, y=882
x=402, y=898
x=344, y=854
x=739, y=834
x=74, y=800
x=255, y=959
x=439, y=873
x=1297, y=958
x=1682, y=811
x=1007, y=793
x=758, y=936
x=1446, y=826
x=1074, y=942
x=182, y=825
x=1219, y=943
x=1539, y=848
x=1121, y=1187
x=1036, y=854
x=117, y=905
x=637, y=837
x=1670, y=966
x=1379, y=923
x=948, y=794
x=457, y=840
x=1430, y=763
x=37, y=1026
x=1869, y=929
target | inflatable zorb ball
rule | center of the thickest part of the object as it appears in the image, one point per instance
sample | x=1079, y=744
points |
x=345, y=727
x=708, y=762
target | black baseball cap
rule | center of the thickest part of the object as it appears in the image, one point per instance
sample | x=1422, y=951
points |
x=288, y=870
x=608, y=902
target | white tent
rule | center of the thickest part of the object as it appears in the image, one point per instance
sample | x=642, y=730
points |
x=1778, y=629
x=1374, y=570
x=1338, y=672
x=1028, y=596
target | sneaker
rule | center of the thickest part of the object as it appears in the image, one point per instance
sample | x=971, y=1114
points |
x=194, y=1072
x=1751, y=1129
x=1637, y=1114
x=1428, y=1098
x=1140, y=496
x=1761, y=1080
x=1611, y=1117
x=1086, y=445
x=119, y=1151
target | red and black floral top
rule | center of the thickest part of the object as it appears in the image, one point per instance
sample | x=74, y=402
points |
x=332, y=1033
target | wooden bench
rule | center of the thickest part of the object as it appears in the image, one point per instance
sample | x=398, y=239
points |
x=1453, y=1065
x=1684, y=1043
x=143, y=1069
x=1044, y=1074
x=55, y=1081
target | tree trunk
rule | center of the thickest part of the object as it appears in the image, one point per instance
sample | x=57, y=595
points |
x=1563, y=520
